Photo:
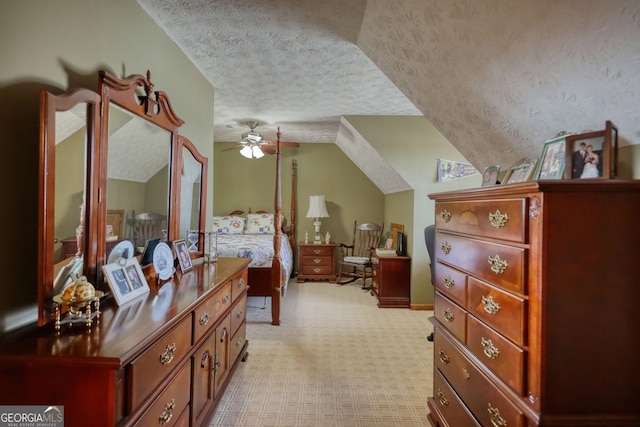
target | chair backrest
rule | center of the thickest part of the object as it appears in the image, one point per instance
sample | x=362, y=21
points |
x=148, y=225
x=430, y=240
x=366, y=237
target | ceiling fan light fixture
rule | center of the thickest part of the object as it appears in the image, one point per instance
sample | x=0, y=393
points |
x=257, y=152
x=247, y=151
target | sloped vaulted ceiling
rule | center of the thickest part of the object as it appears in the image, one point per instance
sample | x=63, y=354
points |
x=495, y=77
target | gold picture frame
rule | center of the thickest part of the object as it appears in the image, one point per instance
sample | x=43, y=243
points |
x=521, y=171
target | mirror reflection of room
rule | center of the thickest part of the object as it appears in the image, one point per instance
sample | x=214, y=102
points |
x=138, y=179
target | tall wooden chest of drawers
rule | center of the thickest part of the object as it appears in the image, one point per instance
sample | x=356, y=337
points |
x=536, y=306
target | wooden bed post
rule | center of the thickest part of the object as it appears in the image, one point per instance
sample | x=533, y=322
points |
x=276, y=271
x=292, y=230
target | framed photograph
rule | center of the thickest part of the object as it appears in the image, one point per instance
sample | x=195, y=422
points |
x=490, y=175
x=182, y=251
x=125, y=279
x=592, y=154
x=552, y=161
x=521, y=171
x=395, y=229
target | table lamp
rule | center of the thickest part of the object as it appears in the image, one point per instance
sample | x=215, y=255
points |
x=317, y=210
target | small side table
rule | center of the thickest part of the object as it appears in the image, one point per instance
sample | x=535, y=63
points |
x=392, y=281
x=316, y=262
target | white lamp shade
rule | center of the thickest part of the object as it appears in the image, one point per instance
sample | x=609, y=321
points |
x=246, y=151
x=317, y=207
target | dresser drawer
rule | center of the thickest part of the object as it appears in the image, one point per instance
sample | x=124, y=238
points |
x=237, y=342
x=316, y=251
x=451, y=316
x=206, y=314
x=451, y=283
x=504, y=312
x=316, y=269
x=155, y=364
x=239, y=284
x=316, y=260
x=449, y=404
x=499, y=219
x=501, y=356
x=488, y=404
x=238, y=314
x=168, y=408
x=501, y=265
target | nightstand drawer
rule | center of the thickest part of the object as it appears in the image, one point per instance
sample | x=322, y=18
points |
x=317, y=260
x=316, y=251
x=317, y=269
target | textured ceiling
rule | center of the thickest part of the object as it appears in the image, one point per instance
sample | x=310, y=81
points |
x=496, y=77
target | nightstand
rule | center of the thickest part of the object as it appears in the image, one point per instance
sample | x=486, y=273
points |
x=316, y=262
x=391, y=282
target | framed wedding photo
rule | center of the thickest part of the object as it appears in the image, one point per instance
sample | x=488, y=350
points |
x=490, y=175
x=182, y=251
x=521, y=171
x=126, y=280
x=592, y=155
x=552, y=161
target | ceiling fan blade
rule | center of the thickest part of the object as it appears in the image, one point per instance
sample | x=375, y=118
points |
x=235, y=147
x=267, y=149
x=283, y=143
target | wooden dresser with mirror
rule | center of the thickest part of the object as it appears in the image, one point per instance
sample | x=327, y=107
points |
x=165, y=357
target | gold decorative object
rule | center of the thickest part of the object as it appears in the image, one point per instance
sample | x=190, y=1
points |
x=496, y=419
x=167, y=355
x=443, y=400
x=490, y=350
x=166, y=415
x=445, y=215
x=498, y=266
x=490, y=306
x=449, y=282
x=444, y=358
x=448, y=315
x=77, y=297
x=445, y=247
x=498, y=219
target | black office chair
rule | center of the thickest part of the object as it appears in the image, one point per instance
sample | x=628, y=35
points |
x=430, y=241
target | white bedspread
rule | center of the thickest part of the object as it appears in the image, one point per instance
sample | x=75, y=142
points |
x=258, y=247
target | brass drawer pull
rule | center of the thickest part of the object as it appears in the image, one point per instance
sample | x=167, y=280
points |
x=490, y=350
x=166, y=415
x=204, y=319
x=445, y=247
x=490, y=306
x=449, y=282
x=448, y=315
x=226, y=298
x=317, y=270
x=167, y=355
x=444, y=358
x=496, y=419
x=239, y=315
x=445, y=215
x=466, y=374
x=498, y=266
x=239, y=342
x=241, y=282
x=316, y=251
x=317, y=260
x=443, y=400
x=498, y=219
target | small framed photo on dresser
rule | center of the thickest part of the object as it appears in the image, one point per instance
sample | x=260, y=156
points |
x=126, y=279
x=552, y=161
x=521, y=171
x=592, y=155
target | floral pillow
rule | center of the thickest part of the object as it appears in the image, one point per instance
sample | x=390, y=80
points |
x=228, y=224
x=260, y=224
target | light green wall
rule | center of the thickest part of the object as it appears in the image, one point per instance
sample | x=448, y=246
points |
x=58, y=45
x=412, y=147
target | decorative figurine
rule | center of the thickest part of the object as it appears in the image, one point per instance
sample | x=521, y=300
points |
x=306, y=237
x=327, y=238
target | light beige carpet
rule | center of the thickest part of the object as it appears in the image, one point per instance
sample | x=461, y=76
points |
x=336, y=360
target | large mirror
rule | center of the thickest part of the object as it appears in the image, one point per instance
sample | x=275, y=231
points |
x=68, y=135
x=113, y=174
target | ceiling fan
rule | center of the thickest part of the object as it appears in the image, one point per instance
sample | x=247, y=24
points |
x=253, y=145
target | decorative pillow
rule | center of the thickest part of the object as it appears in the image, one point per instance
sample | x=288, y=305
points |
x=260, y=224
x=228, y=224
